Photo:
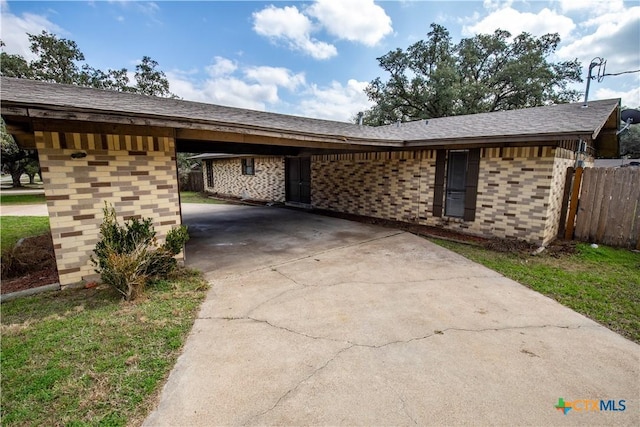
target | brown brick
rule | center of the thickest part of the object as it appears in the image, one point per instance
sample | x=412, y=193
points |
x=83, y=217
x=71, y=234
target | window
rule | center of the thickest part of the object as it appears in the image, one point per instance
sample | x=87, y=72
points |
x=248, y=167
x=209, y=166
x=456, y=182
x=460, y=169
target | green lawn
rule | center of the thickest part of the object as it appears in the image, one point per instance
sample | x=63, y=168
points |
x=85, y=357
x=26, y=199
x=193, y=197
x=602, y=283
x=13, y=228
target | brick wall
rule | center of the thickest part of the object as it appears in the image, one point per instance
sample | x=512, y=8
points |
x=390, y=185
x=564, y=159
x=519, y=189
x=267, y=184
x=137, y=174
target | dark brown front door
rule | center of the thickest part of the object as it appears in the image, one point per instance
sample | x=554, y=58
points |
x=298, y=179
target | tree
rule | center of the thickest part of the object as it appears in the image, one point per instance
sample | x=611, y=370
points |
x=60, y=60
x=150, y=81
x=14, y=65
x=630, y=140
x=57, y=59
x=14, y=160
x=488, y=72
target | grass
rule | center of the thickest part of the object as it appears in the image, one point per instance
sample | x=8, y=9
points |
x=85, y=357
x=25, y=199
x=602, y=283
x=194, y=197
x=13, y=228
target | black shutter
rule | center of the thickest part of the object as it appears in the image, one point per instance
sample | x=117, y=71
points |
x=438, y=189
x=471, y=187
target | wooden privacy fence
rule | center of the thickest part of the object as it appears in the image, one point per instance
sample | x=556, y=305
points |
x=194, y=181
x=603, y=206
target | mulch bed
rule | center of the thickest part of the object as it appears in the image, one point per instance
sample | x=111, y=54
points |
x=33, y=280
x=29, y=264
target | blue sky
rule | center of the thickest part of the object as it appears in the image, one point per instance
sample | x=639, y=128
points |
x=314, y=58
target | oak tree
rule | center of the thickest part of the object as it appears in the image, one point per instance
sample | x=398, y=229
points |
x=488, y=72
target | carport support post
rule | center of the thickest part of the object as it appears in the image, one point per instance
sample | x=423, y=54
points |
x=573, y=207
x=82, y=170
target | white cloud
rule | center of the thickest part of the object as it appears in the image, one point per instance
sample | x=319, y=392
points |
x=221, y=67
x=229, y=91
x=258, y=88
x=591, y=6
x=277, y=76
x=545, y=21
x=335, y=102
x=613, y=36
x=629, y=98
x=227, y=83
x=15, y=29
x=293, y=27
x=360, y=21
x=496, y=4
x=354, y=20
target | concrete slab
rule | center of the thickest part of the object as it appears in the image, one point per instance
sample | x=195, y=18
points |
x=39, y=209
x=320, y=321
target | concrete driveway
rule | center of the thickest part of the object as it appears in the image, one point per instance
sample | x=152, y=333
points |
x=320, y=321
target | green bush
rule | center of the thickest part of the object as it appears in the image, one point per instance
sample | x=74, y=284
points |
x=128, y=255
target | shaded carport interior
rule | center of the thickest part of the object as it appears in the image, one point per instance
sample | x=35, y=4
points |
x=115, y=119
x=90, y=135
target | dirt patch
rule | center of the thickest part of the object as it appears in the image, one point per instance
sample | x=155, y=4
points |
x=421, y=230
x=29, y=264
x=557, y=248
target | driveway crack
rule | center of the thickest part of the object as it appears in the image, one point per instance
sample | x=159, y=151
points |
x=297, y=385
x=405, y=409
x=405, y=341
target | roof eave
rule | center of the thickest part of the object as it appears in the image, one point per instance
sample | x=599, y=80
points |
x=502, y=140
x=51, y=112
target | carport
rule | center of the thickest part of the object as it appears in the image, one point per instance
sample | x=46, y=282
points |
x=101, y=146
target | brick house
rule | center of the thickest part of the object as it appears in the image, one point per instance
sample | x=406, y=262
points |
x=468, y=182
x=494, y=174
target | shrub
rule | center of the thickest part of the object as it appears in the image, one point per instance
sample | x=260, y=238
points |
x=127, y=256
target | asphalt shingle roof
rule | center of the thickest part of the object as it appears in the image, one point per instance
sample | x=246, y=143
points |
x=555, y=122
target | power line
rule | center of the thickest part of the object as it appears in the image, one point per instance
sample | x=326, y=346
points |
x=622, y=72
